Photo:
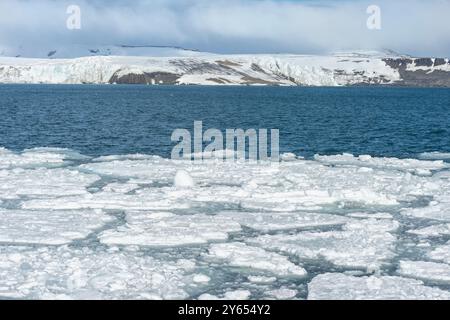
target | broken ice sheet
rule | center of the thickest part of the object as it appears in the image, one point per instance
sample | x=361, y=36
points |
x=337, y=286
x=241, y=255
x=162, y=229
x=81, y=273
x=51, y=227
x=424, y=270
x=362, y=244
x=44, y=183
x=271, y=221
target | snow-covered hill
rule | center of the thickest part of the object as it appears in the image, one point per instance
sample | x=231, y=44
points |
x=189, y=67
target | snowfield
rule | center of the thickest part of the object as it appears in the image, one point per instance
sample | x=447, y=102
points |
x=145, y=227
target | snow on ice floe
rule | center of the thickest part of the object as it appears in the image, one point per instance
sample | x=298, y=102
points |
x=282, y=294
x=291, y=186
x=427, y=271
x=81, y=273
x=362, y=244
x=436, y=210
x=432, y=231
x=337, y=286
x=183, y=180
x=229, y=295
x=378, y=215
x=167, y=229
x=49, y=227
x=37, y=157
x=441, y=253
x=44, y=183
x=410, y=165
x=272, y=221
x=240, y=255
x=435, y=155
x=269, y=221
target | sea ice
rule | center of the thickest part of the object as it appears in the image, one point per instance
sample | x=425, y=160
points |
x=337, y=286
x=49, y=227
x=441, y=253
x=240, y=255
x=43, y=183
x=282, y=294
x=432, y=231
x=409, y=165
x=272, y=221
x=435, y=155
x=436, y=210
x=183, y=180
x=422, y=270
x=166, y=229
x=365, y=244
x=81, y=273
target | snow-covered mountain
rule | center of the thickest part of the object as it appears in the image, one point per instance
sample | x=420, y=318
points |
x=190, y=67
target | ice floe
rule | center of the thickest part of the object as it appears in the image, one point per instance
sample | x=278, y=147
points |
x=272, y=221
x=432, y=231
x=44, y=183
x=435, y=155
x=423, y=270
x=366, y=245
x=410, y=165
x=244, y=256
x=49, y=227
x=436, y=210
x=124, y=223
x=282, y=294
x=37, y=157
x=167, y=229
x=183, y=180
x=82, y=273
x=441, y=253
x=337, y=286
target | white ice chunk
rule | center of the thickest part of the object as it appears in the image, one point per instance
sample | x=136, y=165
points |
x=432, y=231
x=237, y=295
x=337, y=286
x=365, y=244
x=271, y=221
x=240, y=255
x=435, y=155
x=435, y=211
x=409, y=165
x=167, y=229
x=82, y=273
x=261, y=279
x=49, y=227
x=38, y=157
x=441, y=253
x=282, y=294
x=379, y=215
x=183, y=180
x=44, y=183
x=429, y=271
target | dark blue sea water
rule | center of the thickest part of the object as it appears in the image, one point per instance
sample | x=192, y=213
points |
x=104, y=120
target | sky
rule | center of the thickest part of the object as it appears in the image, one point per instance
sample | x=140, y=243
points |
x=418, y=27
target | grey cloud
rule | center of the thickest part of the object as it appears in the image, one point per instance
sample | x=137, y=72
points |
x=410, y=26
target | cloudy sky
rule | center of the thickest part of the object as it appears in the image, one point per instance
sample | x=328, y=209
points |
x=417, y=27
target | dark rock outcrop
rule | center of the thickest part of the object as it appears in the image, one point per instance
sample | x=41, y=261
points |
x=145, y=78
x=420, y=78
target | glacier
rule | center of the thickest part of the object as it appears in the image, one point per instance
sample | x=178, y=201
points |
x=122, y=227
x=197, y=68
